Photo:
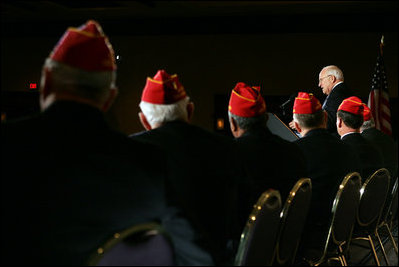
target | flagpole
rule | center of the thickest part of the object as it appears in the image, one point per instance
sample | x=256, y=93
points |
x=381, y=44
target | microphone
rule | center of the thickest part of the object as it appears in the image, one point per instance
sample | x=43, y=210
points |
x=292, y=98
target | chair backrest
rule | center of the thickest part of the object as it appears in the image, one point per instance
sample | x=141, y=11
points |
x=394, y=202
x=258, y=238
x=292, y=221
x=140, y=245
x=343, y=212
x=372, y=199
x=391, y=206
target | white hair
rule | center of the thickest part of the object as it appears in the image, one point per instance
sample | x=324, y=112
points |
x=334, y=71
x=367, y=124
x=93, y=85
x=159, y=114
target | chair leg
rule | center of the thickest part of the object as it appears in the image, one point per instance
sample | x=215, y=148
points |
x=342, y=260
x=382, y=247
x=392, y=239
x=342, y=256
x=373, y=249
x=335, y=259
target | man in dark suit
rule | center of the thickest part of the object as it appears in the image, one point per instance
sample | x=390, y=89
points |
x=269, y=161
x=349, y=121
x=328, y=159
x=383, y=142
x=331, y=81
x=202, y=172
x=69, y=182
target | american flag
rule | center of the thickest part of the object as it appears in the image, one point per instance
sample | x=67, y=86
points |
x=378, y=98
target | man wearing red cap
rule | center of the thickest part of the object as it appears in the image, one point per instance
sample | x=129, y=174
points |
x=69, y=182
x=349, y=121
x=328, y=161
x=202, y=172
x=269, y=161
x=384, y=142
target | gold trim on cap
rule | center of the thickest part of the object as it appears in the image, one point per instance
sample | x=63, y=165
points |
x=353, y=101
x=250, y=100
x=300, y=98
x=162, y=82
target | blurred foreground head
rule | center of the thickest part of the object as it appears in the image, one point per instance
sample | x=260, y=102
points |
x=80, y=68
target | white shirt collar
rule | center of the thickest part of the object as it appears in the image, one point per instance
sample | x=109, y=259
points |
x=336, y=85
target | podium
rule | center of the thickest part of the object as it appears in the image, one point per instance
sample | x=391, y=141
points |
x=277, y=127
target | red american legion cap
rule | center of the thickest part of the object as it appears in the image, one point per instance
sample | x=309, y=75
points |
x=366, y=113
x=306, y=103
x=246, y=101
x=163, y=89
x=352, y=105
x=85, y=48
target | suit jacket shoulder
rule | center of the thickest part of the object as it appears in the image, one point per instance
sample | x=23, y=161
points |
x=386, y=145
x=370, y=157
x=79, y=179
x=203, y=173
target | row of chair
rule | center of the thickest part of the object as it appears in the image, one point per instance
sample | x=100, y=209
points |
x=271, y=235
x=273, y=231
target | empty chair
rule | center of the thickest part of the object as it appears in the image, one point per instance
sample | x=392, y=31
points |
x=387, y=218
x=343, y=216
x=140, y=245
x=292, y=222
x=258, y=239
x=372, y=198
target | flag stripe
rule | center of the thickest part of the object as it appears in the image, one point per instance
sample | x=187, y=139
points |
x=378, y=100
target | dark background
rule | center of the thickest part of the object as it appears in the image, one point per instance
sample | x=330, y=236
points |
x=278, y=45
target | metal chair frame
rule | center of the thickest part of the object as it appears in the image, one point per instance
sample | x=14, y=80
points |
x=370, y=227
x=305, y=185
x=150, y=228
x=269, y=197
x=335, y=250
x=386, y=221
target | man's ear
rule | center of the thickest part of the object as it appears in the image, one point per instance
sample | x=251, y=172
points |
x=190, y=110
x=113, y=92
x=339, y=122
x=144, y=121
x=334, y=79
x=46, y=89
x=233, y=126
x=297, y=127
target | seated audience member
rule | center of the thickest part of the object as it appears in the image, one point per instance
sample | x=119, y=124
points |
x=269, y=161
x=202, y=172
x=349, y=121
x=382, y=141
x=70, y=182
x=328, y=159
